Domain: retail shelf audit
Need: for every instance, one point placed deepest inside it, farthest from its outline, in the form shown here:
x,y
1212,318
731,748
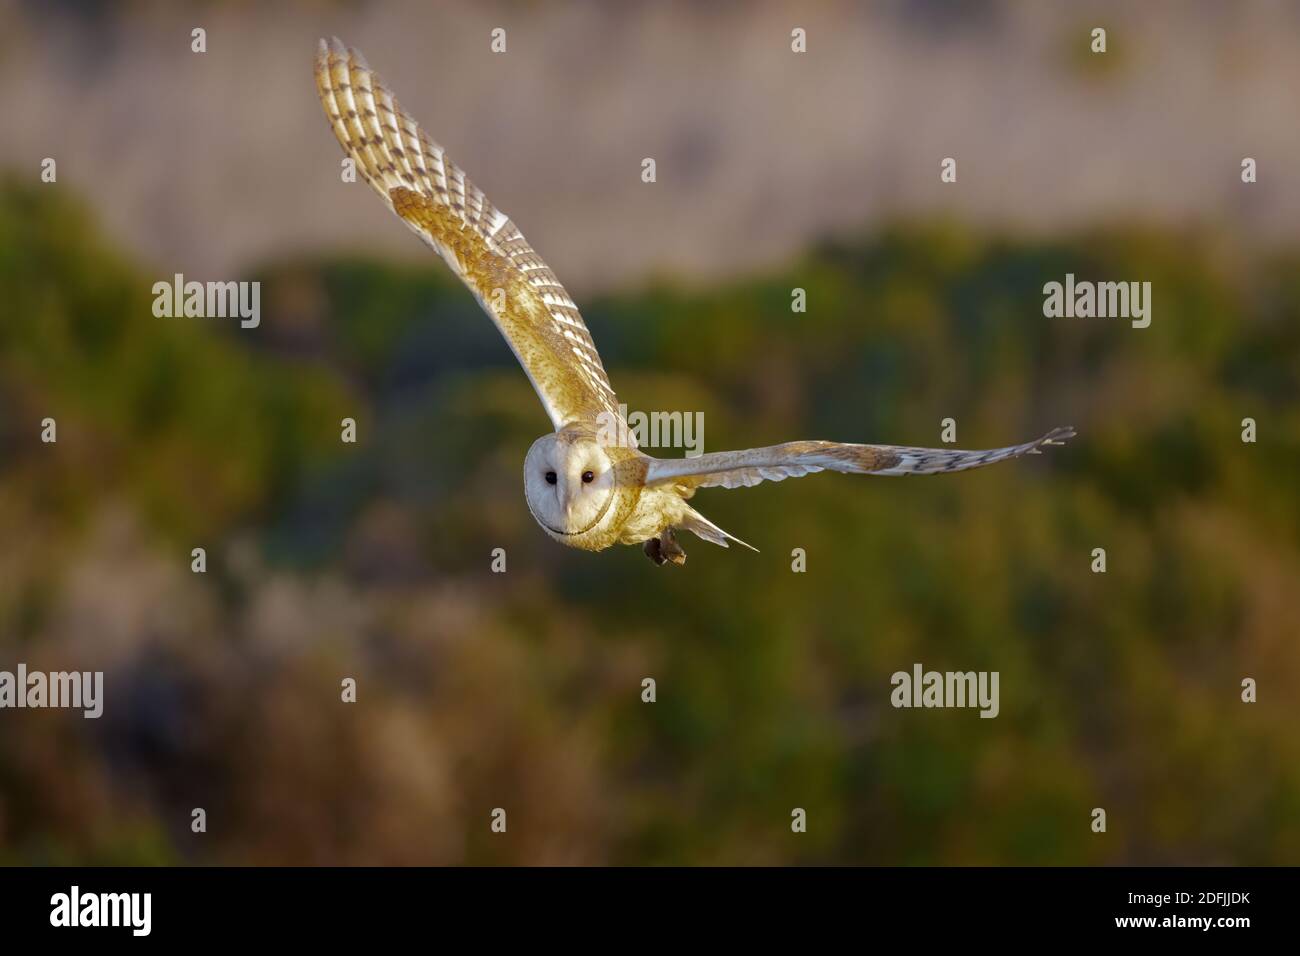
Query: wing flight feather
x,y
742,469
420,184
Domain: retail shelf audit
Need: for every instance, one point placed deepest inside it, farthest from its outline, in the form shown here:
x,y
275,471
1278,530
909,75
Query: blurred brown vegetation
x,y
214,163
522,690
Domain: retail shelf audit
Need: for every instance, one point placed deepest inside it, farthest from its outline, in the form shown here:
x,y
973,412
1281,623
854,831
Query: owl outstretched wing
x,y
737,469
431,194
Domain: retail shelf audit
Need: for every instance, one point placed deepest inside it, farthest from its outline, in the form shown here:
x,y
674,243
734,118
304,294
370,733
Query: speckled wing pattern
x,y
415,178
741,469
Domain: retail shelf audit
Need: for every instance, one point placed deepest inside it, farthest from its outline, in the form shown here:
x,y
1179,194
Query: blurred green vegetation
x,y
478,690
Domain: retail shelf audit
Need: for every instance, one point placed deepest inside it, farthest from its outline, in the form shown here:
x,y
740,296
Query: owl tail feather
x,y
702,527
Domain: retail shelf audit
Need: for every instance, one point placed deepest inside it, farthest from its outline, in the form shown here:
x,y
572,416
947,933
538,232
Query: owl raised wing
x,y
432,195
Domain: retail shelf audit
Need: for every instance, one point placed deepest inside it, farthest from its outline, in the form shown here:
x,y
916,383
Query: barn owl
x,y
585,490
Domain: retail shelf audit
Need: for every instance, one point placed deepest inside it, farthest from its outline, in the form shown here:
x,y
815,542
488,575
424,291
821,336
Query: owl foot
x,y
665,549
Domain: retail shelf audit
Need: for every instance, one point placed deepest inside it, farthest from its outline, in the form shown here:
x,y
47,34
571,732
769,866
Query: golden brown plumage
x,y
417,180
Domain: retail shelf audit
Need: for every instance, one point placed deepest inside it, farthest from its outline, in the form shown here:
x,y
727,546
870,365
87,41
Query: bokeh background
x,y
522,690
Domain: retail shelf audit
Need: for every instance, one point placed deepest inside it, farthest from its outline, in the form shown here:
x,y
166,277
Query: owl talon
x,y
665,549
670,549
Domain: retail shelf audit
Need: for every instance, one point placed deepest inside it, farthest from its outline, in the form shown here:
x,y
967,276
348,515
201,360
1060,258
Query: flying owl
x,y
585,490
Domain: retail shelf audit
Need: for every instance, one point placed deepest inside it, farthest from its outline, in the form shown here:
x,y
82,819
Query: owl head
x,y
570,484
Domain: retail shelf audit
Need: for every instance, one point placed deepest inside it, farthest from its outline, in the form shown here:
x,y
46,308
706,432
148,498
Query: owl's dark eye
x,y
588,477
550,477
